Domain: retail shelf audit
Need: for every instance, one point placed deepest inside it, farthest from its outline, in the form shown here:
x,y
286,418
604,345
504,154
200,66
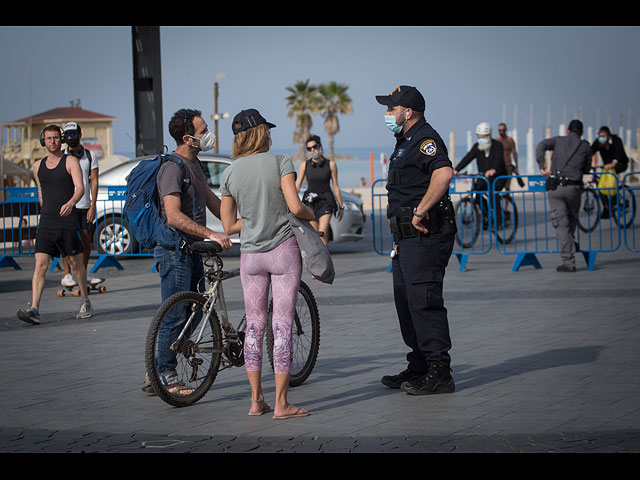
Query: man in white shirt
x,y
86,207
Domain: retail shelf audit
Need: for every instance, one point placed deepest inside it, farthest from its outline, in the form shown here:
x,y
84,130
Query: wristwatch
x,y
419,215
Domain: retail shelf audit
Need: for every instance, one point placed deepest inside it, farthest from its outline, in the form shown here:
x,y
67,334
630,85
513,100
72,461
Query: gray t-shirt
x,y
254,183
169,180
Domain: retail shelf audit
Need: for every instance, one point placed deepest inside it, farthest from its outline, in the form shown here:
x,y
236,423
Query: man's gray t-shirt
x,y
254,183
169,180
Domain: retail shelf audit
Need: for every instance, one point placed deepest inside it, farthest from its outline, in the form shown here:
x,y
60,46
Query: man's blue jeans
x,y
179,270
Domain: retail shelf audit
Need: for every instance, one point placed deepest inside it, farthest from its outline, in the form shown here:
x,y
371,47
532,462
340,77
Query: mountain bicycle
x,y
473,212
205,345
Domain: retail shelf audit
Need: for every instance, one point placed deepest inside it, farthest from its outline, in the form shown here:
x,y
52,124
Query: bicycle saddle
x,y
206,246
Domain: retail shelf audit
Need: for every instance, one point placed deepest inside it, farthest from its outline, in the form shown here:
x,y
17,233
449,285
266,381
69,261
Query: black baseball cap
x,y
248,119
405,96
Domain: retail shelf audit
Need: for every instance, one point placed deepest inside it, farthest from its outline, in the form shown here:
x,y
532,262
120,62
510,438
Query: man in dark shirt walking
x,y
570,160
60,187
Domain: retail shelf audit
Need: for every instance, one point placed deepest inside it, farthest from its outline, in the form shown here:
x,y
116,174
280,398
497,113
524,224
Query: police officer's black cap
x,y
247,119
404,95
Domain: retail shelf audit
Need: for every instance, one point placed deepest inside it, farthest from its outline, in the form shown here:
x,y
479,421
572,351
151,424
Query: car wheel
x,y
114,237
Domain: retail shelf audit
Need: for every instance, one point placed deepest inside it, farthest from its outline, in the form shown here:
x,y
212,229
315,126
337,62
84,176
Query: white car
x,y
113,234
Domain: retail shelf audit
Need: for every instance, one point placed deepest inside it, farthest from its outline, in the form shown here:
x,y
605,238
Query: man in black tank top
x,y
60,187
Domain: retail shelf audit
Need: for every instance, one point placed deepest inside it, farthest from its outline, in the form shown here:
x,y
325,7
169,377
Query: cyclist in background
x,y
611,149
489,156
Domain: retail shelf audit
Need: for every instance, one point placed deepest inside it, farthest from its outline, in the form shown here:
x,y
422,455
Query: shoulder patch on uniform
x,y
428,147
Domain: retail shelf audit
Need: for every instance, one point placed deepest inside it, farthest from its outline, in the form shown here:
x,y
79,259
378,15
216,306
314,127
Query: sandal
x,y
179,388
264,410
148,388
300,412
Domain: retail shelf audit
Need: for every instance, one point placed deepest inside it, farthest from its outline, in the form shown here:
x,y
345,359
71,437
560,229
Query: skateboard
x,y
93,286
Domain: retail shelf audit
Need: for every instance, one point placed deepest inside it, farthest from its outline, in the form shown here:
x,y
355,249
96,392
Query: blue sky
x,y
467,74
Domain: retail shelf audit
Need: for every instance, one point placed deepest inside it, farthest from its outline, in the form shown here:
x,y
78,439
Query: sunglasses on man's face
x,y
312,147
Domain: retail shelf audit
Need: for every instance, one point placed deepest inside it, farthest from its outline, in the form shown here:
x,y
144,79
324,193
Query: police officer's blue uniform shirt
x,y
418,153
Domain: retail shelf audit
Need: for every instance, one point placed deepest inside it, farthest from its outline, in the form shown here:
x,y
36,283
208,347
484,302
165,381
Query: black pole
x,y
147,89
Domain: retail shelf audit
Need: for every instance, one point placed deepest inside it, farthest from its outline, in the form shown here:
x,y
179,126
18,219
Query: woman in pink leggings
x,y
259,188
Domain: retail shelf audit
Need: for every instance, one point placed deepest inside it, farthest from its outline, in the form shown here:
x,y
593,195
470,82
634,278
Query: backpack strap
x,y
186,179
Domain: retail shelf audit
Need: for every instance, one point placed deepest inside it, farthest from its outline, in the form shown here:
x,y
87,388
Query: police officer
x,y
421,216
570,160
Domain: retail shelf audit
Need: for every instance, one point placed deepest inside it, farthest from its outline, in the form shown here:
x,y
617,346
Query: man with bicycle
x,y
181,269
489,156
569,161
613,156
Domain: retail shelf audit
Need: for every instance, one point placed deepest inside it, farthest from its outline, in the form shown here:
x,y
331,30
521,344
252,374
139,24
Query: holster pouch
x,y
552,183
401,226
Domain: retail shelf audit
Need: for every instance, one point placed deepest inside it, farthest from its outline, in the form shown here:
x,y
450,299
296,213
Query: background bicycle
x,y
473,212
606,203
207,344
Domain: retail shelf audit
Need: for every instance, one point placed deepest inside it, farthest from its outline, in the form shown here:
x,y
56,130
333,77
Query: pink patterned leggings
x,y
281,268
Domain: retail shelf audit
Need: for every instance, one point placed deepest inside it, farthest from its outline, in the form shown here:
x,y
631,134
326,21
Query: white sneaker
x,y
91,280
68,281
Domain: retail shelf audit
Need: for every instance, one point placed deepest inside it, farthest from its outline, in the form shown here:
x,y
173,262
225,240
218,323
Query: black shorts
x,y
82,219
58,242
322,204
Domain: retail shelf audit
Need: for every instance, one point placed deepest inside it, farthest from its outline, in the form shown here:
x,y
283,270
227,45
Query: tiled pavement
x,y
543,362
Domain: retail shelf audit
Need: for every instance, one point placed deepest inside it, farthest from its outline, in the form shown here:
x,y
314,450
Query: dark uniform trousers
x,y
418,274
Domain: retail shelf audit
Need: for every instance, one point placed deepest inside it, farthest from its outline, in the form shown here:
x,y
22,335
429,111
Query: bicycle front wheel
x,y
305,336
196,355
589,214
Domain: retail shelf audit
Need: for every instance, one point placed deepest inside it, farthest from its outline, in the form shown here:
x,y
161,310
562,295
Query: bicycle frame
x,y
214,293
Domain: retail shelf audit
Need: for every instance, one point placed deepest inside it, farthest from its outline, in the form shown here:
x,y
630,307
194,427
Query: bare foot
x,y
258,407
290,411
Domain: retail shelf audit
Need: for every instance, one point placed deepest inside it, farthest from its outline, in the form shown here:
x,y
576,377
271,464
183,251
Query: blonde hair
x,y
252,140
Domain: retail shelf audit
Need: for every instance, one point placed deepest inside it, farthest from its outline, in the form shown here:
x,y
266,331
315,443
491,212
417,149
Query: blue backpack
x,y
141,206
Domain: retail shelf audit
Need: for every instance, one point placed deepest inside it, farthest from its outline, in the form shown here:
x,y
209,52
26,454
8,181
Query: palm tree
x,y
333,101
302,102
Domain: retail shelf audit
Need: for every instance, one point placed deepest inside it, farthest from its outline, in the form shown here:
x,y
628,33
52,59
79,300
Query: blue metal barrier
x,y
630,199
535,233
473,205
382,238
20,213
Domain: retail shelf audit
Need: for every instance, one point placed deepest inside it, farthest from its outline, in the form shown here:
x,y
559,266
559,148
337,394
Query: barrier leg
x,y
590,258
106,261
6,261
55,263
525,259
462,258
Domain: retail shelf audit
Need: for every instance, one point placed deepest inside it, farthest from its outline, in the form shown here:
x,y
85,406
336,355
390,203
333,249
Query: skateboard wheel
x,y
61,293
102,289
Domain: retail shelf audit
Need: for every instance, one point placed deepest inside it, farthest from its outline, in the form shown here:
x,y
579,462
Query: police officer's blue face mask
x,y
602,139
390,122
483,141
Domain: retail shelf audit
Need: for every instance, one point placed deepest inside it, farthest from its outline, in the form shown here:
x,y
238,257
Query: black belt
x,y
564,182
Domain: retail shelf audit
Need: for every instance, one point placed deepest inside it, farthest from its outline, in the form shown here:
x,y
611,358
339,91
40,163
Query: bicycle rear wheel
x,y
198,353
305,336
469,222
589,214
507,226
627,207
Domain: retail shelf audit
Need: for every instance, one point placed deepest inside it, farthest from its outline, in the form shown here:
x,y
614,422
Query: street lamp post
x,y
215,117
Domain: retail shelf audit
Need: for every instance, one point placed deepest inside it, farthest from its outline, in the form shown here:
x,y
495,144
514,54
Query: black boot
x,y
437,380
395,381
